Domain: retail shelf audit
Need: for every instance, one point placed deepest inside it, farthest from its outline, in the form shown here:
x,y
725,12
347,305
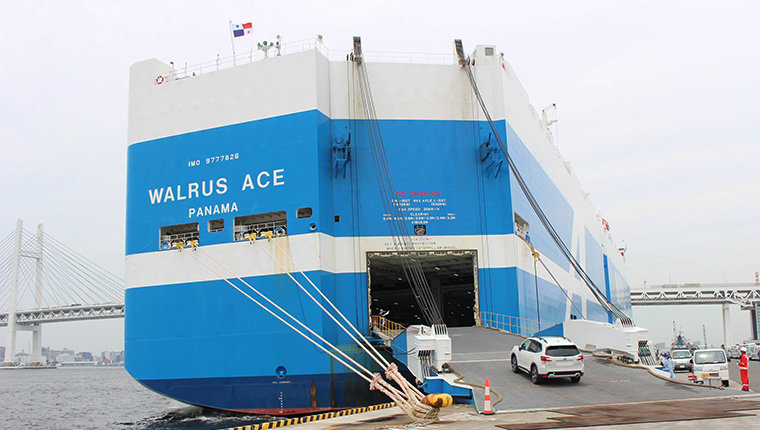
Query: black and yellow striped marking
x,y
310,418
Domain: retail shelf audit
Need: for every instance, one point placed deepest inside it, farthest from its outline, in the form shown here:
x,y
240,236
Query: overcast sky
x,y
658,108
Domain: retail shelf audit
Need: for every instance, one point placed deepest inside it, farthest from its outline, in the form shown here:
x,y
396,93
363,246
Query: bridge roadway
x,y
75,312
480,352
744,294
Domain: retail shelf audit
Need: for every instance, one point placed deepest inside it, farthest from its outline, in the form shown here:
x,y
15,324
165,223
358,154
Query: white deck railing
x,y
255,55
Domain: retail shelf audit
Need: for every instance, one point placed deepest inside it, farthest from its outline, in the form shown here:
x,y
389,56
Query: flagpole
x,y
232,41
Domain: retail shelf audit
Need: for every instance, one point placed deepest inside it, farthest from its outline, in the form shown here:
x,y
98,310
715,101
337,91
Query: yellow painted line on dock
x,y
311,418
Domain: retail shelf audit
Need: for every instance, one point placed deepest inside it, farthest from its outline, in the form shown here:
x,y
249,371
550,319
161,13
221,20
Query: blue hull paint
x,y
204,343
270,394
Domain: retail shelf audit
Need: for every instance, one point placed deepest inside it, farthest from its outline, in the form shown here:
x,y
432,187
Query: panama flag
x,y
242,29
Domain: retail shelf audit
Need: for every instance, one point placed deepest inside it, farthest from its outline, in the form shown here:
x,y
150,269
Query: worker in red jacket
x,y
744,369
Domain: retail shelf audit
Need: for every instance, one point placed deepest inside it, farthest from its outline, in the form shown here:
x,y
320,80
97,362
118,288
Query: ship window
x,y
259,225
304,212
337,218
172,236
489,52
215,225
522,228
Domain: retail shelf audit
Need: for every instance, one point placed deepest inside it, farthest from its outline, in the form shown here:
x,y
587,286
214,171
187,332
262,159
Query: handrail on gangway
x,y
385,328
509,323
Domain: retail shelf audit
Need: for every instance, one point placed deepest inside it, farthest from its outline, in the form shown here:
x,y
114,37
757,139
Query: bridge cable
x,y
86,279
114,280
71,276
86,274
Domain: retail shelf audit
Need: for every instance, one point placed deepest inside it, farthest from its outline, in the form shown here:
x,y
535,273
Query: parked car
x,y
710,363
547,357
681,359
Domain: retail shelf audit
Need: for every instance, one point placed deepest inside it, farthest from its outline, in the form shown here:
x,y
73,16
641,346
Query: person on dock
x,y
668,365
383,313
744,369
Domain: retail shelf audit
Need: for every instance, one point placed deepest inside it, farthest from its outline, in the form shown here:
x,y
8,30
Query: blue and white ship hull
x,y
281,144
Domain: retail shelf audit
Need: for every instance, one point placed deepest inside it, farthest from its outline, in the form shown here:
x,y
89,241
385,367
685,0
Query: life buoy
x,y
165,245
159,79
279,231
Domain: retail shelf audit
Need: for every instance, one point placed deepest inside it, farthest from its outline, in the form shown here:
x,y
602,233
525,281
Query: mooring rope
x,y
411,390
411,405
222,277
371,352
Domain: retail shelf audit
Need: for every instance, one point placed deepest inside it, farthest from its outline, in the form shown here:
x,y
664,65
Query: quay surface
x,y
609,396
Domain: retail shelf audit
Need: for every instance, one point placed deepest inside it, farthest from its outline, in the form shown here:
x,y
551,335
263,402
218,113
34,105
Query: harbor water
x,y
96,398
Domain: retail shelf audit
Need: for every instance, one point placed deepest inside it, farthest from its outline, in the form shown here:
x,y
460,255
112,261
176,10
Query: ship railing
x,y
508,323
254,55
250,56
385,327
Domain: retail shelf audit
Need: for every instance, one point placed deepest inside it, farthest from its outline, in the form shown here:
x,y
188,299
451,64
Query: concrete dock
x,y
609,396
479,353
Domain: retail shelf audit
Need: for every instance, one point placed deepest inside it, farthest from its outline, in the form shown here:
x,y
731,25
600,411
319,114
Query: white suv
x,y
548,357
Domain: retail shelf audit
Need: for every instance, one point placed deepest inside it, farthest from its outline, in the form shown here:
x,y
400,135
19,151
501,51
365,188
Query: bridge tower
x,y
13,327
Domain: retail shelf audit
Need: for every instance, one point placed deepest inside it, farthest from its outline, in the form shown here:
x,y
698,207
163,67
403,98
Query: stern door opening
x,y
452,276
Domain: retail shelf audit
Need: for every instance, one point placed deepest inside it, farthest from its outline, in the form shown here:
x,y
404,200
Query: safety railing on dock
x,y
386,327
511,324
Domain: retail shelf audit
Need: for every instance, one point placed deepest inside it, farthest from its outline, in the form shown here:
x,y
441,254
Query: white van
x,y
710,363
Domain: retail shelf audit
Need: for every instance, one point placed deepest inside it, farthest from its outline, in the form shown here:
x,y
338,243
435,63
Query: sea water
x,y
97,398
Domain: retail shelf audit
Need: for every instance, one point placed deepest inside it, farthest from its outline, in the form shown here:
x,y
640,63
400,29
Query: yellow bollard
x,y
440,400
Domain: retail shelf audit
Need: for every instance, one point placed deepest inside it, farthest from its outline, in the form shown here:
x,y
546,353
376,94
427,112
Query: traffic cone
x,y
487,400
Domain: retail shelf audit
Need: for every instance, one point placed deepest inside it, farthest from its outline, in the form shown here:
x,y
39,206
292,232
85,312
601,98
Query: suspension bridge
x,y
44,281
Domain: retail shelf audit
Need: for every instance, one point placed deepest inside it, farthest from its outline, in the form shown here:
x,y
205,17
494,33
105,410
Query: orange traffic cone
x,y
487,400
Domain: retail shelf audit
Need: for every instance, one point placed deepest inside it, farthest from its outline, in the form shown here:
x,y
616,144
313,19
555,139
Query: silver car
x,y
681,360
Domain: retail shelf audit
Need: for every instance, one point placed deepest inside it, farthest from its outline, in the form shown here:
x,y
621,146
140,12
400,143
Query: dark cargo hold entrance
x,y
452,276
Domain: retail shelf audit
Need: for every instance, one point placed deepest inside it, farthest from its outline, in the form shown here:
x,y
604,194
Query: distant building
x,y
23,358
2,353
52,354
112,357
83,356
64,357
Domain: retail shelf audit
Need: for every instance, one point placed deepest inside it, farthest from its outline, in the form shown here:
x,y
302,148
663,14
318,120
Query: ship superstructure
x,y
279,147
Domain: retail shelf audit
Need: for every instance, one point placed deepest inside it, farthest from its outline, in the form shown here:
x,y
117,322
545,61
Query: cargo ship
x,y
264,165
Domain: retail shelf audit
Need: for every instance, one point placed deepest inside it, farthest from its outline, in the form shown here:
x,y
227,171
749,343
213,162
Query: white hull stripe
x,y
317,251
